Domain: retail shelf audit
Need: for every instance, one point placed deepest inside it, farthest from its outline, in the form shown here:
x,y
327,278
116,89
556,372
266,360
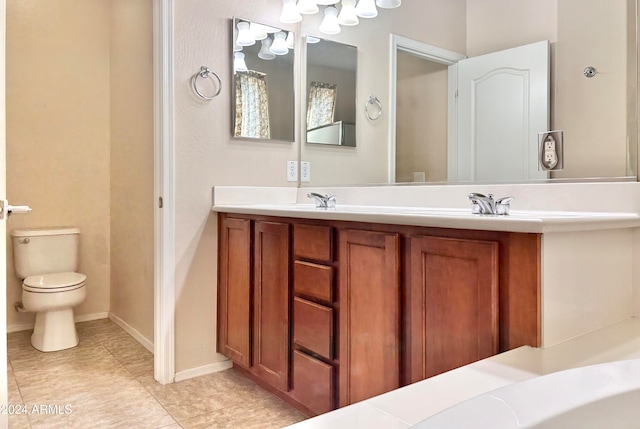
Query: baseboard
x,y
203,370
132,331
83,318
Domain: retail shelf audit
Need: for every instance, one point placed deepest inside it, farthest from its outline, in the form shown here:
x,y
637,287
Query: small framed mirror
x,y
331,92
263,82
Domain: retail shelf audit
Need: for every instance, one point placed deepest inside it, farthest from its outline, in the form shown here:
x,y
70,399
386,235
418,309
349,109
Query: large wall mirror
x,y
411,141
331,70
263,82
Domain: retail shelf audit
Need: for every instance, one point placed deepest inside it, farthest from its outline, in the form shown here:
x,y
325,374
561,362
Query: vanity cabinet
x,y
370,317
454,303
253,298
328,313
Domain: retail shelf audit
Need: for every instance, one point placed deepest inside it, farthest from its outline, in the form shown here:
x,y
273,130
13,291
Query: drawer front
x,y
313,280
313,383
313,327
313,242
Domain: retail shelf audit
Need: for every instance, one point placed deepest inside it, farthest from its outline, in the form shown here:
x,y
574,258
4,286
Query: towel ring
x,y
374,104
204,73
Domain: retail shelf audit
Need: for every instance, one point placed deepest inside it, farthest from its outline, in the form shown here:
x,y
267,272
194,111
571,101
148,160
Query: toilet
x,y
46,261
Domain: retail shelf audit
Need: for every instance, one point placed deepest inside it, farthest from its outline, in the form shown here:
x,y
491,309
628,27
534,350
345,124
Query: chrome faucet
x,y
487,205
323,201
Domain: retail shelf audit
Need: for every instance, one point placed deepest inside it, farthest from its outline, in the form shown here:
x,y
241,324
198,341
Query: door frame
x,y
427,52
164,193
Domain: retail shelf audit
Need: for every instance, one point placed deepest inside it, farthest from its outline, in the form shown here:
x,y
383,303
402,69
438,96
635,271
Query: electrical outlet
x,y
292,171
305,171
550,157
550,151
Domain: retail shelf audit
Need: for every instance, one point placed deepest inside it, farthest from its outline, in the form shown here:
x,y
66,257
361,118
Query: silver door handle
x,y
7,208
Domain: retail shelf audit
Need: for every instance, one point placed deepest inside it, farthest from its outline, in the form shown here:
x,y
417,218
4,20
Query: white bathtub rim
x,y
532,402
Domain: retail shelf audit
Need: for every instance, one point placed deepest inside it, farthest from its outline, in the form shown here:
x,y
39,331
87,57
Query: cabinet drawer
x,y
313,242
313,327
313,280
313,383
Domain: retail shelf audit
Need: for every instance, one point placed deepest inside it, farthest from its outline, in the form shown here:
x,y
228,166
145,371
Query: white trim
x,y
77,319
203,370
132,331
418,49
164,219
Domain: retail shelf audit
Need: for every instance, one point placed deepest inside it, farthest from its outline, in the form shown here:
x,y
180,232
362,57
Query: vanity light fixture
x,y
239,64
245,37
388,4
311,39
265,50
290,13
279,45
258,31
290,40
350,10
348,13
330,24
366,9
308,7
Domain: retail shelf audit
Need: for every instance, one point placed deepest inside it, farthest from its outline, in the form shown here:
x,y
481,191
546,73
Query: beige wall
x,y
421,121
206,155
132,204
80,144
58,132
595,138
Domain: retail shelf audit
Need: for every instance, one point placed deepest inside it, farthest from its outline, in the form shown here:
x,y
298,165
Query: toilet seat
x,y
55,282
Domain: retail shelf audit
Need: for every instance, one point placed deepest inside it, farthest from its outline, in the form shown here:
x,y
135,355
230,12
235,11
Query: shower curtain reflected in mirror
x,y
321,105
252,105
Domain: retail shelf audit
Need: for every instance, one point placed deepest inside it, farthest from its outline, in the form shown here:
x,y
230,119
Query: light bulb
x,y
265,50
307,7
388,4
279,45
366,9
348,13
330,24
245,38
238,62
290,13
291,40
258,31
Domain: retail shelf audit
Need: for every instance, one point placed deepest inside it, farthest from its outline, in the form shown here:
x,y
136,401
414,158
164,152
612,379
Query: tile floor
x,y
107,382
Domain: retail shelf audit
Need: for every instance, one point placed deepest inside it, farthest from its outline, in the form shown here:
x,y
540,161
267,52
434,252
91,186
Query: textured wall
x,y
132,204
58,132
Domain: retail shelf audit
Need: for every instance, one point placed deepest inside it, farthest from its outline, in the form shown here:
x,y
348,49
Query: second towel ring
x,y
373,108
204,73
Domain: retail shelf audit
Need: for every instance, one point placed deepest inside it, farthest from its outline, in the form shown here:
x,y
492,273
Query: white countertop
x,y
516,221
409,405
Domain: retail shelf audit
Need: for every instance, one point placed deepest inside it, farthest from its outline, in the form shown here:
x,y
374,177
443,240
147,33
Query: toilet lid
x,y
54,281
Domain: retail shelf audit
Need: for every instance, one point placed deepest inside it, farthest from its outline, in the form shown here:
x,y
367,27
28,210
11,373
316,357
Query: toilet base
x,y
54,330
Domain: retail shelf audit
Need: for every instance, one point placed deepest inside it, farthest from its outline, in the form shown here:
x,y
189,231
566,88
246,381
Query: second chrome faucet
x,y
487,205
323,201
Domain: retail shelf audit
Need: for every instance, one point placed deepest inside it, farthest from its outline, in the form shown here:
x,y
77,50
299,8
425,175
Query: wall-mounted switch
x,y
292,171
550,151
305,171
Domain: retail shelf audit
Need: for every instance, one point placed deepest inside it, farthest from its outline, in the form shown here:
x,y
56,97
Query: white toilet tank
x,y
45,251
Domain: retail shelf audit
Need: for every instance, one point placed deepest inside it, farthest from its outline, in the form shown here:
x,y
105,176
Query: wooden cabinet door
x,y
454,303
369,300
234,290
271,337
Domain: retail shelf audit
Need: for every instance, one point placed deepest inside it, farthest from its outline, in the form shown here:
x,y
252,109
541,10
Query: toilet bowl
x,y
46,260
52,297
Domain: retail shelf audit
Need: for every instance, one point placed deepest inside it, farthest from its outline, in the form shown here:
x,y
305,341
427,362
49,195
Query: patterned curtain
x,y
252,105
322,104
